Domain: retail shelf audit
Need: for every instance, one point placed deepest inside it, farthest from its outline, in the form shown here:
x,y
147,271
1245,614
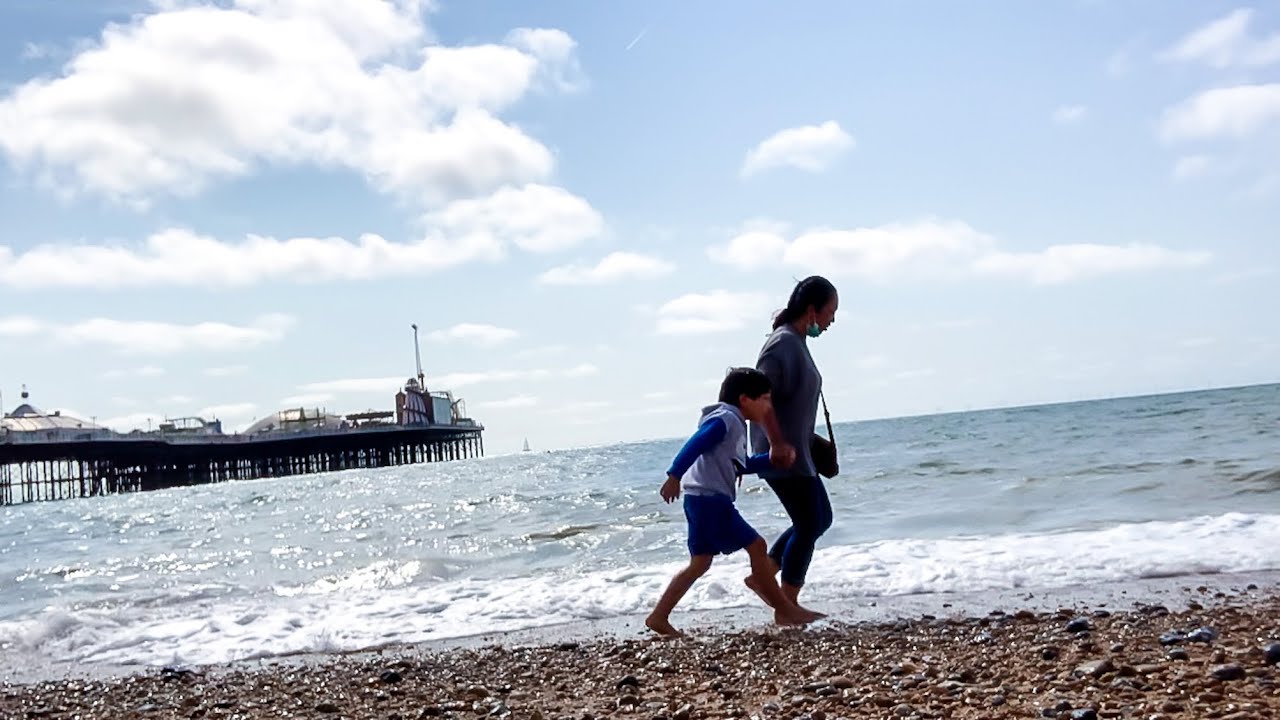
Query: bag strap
x,y
827,414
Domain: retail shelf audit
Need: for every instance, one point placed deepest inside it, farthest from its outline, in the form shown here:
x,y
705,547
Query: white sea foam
x,y
388,602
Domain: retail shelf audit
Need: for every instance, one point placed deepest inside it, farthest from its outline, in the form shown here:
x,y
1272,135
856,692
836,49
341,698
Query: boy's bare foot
x,y
662,626
750,582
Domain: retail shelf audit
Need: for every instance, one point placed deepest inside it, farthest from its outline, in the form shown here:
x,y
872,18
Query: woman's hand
x,y
670,489
782,455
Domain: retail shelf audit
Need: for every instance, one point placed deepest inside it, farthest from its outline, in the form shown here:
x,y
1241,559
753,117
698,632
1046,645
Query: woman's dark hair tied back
x,y
814,291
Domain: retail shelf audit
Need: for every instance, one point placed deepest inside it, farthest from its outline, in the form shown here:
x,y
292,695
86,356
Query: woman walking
x,y
797,384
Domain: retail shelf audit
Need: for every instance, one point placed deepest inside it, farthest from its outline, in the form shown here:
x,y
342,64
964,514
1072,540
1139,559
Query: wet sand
x,y
1159,649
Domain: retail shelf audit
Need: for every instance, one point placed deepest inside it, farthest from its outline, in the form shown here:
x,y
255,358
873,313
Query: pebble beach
x,y
1208,654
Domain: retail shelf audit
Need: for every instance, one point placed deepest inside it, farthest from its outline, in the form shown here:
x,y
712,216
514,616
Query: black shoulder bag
x,y
823,450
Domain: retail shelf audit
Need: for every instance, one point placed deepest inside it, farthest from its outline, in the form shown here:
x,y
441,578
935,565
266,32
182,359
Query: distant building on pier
x,y
27,418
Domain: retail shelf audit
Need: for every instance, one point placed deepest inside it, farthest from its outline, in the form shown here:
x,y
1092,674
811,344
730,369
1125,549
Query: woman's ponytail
x,y
814,291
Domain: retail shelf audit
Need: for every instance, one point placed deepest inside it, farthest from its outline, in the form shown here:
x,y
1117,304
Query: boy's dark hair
x,y
743,381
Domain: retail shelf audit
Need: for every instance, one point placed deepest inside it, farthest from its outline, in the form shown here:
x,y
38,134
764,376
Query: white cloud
x,y
915,374
647,410
131,337
582,370
306,400
554,49
1070,114
1197,342
888,249
133,421
20,326
179,399
465,379
158,105
144,371
932,248
231,411
38,51
477,333
612,268
810,147
1236,112
519,401
583,406
1226,42
959,324
869,252
1064,263
542,351
356,385
871,362
448,381
716,311
1191,166
751,250
535,218
160,102
226,371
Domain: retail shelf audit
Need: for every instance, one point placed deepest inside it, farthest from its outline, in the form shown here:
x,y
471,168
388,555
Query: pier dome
x,y
28,418
295,419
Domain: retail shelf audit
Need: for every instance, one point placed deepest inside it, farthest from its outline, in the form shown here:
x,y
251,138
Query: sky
x,y
592,210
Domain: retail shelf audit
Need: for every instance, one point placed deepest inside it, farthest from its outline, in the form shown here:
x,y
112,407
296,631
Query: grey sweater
x,y
786,361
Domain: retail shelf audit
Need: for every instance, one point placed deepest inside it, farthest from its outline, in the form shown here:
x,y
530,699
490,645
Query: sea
x,y
1027,498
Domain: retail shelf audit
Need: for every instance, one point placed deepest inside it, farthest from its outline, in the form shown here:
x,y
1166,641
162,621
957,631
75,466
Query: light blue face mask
x,y
814,330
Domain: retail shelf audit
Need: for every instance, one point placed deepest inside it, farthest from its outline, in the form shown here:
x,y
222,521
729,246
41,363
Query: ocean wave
x,y
391,603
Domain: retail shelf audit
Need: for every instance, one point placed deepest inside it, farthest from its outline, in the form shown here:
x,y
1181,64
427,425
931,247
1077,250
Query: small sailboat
x,y
526,445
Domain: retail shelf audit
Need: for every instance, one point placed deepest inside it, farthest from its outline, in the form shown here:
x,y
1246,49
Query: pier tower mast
x,y
417,357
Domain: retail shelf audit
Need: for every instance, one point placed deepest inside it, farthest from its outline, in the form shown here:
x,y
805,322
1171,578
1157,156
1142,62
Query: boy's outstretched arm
x,y
757,463
709,433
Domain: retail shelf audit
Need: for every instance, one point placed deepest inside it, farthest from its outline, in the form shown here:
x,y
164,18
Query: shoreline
x,y
1002,629
1173,592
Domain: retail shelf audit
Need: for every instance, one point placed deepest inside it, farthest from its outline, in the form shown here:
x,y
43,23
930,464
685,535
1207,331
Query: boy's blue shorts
x,y
715,525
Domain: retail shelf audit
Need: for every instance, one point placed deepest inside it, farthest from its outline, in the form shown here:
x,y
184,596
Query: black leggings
x,y
806,502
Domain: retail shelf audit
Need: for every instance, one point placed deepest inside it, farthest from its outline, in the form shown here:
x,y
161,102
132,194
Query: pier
x,y
51,456
31,470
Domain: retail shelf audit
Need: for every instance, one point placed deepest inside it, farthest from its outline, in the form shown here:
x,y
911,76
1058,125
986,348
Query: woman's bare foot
x,y
813,615
816,615
662,626
750,582
793,616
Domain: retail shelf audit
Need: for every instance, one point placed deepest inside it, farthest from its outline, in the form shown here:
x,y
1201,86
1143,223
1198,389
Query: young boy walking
x,y
707,470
